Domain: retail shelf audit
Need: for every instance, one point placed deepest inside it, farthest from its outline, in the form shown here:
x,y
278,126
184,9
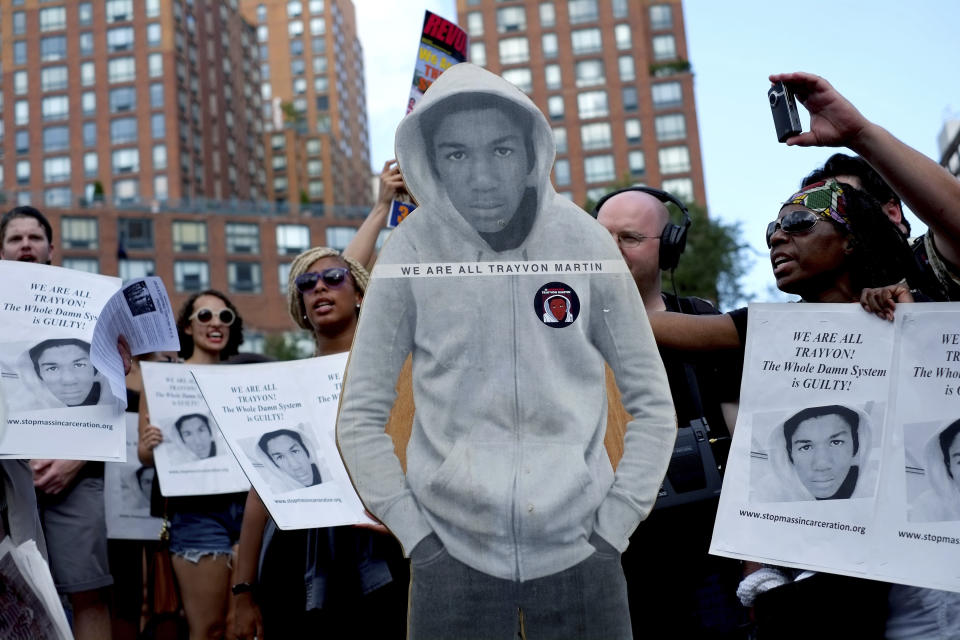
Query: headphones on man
x,y
673,238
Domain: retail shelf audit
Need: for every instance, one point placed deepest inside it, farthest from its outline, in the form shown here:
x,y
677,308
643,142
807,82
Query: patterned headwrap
x,y
825,199
299,266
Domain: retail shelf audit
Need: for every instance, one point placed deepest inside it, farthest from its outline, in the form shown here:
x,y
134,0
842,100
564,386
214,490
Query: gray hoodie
x,y
506,462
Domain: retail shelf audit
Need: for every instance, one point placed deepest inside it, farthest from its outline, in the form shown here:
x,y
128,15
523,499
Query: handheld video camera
x,y
786,118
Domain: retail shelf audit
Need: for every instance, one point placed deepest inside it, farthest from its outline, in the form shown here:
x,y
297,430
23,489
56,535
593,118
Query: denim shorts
x,y
197,532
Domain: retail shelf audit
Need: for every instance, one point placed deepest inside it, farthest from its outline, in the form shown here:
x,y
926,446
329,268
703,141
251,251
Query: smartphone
x,y
786,118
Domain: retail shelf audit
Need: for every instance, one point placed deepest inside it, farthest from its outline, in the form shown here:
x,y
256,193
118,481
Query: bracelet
x,y
241,587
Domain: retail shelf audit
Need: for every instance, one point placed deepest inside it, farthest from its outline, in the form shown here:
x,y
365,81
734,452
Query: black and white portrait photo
x,y
52,374
287,458
933,471
194,433
817,453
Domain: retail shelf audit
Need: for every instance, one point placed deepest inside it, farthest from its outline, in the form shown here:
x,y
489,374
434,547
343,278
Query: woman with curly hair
x,y
204,529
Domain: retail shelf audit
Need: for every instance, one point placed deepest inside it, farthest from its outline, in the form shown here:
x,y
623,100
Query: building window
x,y
135,233
86,44
664,47
521,78
661,16
87,74
126,161
155,64
670,127
674,159
548,14
89,134
283,273
626,68
315,167
295,28
119,39
666,94
58,197
560,139
243,237
318,26
123,99
620,8
585,41
636,162
78,233
589,73
478,53
21,111
561,173
119,10
22,141
550,45
156,96
244,277
20,52
294,8
681,188
629,96
555,107
511,19
595,136
189,237
56,169
91,164
123,130
582,10
121,70
53,19
592,104
19,23
88,265
191,275
52,108
53,48
315,189
54,139
316,6
53,78
513,50
138,268
599,168
551,74
631,127
23,173
339,237
152,8
154,34
20,83
621,34
293,239
159,157
126,191
475,23
160,187
158,126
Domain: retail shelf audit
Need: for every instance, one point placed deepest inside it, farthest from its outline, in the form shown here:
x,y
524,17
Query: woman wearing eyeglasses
x,y
204,530
337,581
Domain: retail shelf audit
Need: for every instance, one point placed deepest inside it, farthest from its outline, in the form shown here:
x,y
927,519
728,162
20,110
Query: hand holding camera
x,y
834,122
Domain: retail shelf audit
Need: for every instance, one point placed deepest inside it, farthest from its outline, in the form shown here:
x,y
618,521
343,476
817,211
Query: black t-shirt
x,y
940,284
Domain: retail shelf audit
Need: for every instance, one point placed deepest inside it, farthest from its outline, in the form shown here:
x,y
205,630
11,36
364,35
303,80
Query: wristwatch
x,y
241,587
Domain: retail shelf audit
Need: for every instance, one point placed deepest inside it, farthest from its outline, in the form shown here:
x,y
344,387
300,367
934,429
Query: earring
x,y
358,305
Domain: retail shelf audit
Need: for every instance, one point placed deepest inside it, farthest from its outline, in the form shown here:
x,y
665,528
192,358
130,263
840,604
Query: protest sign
x,y
126,494
140,311
279,420
30,608
59,403
816,476
192,460
442,44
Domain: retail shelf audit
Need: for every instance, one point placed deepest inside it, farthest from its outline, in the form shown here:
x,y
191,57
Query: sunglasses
x,y
799,221
332,277
205,315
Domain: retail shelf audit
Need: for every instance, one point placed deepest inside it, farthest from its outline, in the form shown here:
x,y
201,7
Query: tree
x,y
282,346
714,261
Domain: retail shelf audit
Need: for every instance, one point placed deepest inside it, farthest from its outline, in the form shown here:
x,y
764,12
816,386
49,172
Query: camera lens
x,y
773,98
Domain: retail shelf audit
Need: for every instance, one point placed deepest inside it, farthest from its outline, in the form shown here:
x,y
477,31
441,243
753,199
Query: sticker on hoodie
x,y
556,304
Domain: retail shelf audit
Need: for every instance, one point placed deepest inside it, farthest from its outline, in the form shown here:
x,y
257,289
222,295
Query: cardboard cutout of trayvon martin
x,y
509,501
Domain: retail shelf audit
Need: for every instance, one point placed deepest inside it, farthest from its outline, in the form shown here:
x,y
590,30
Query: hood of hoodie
x,y
413,154
792,488
943,486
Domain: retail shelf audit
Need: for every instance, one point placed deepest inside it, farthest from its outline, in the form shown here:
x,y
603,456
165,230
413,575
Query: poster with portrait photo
x,y
918,520
278,418
193,458
801,486
126,494
59,402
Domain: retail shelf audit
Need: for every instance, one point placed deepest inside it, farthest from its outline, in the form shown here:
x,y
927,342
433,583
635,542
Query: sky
x,y
896,61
